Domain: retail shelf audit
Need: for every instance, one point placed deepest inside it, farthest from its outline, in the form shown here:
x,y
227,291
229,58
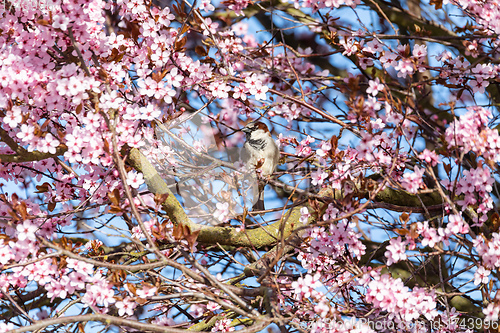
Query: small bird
x,y
262,154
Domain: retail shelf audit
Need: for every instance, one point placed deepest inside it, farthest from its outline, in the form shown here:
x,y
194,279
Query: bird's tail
x,y
259,204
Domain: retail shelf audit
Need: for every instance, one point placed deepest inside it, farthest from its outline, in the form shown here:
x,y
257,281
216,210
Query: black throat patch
x,y
258,144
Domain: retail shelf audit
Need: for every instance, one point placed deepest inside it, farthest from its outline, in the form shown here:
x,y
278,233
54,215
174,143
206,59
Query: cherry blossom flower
x,y
219,89
306,287
374,87
213,306
206,6
326,146
304,215
479,85
126,306
223,325
48,144
491,312
6,254
60,22
413,181
318,176
389,60
166,17
429,234
135,179
430,157
350,45
457,225
419,51
394,297
222,212
5,327
373,46
13,117
404,67
396,251
26,231
481,275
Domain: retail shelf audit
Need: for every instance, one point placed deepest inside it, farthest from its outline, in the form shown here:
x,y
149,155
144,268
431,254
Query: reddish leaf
x,y
160,198
51,206
42,188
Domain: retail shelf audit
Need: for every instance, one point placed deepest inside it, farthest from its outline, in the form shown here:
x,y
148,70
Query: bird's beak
x,y
245,130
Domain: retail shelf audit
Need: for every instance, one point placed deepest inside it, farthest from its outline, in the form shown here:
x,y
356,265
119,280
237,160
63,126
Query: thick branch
x,y
117,321
22,155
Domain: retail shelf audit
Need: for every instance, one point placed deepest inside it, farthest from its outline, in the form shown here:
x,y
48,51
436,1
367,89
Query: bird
x,y
261,153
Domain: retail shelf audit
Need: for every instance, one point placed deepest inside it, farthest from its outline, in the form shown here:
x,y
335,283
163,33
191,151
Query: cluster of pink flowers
x,y
432,236
305,287
471,133
486,13
412,182
223,325
489,251
328,244
401,303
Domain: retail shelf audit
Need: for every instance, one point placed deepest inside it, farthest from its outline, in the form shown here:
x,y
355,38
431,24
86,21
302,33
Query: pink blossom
x,y
60,22
304,149
239,93
146,291
420,51
6,254
26,231
389,59
373,46
457,225
326,146
491,312
430,157
222,212
6,327
56,289
135,179
394,297
350,45
26,133
209,27
219,89
413,181
110,100
396,251
481,275
429,234
255,87
126,306
223,325
13,117
318,176
166,17
374,87
49,144
206,6
305,287
213,306
260,92
331,212
479,85
304,215
174,77
404,67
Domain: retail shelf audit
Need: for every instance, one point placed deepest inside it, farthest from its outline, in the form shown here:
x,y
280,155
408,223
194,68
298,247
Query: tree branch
x,y
117,321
